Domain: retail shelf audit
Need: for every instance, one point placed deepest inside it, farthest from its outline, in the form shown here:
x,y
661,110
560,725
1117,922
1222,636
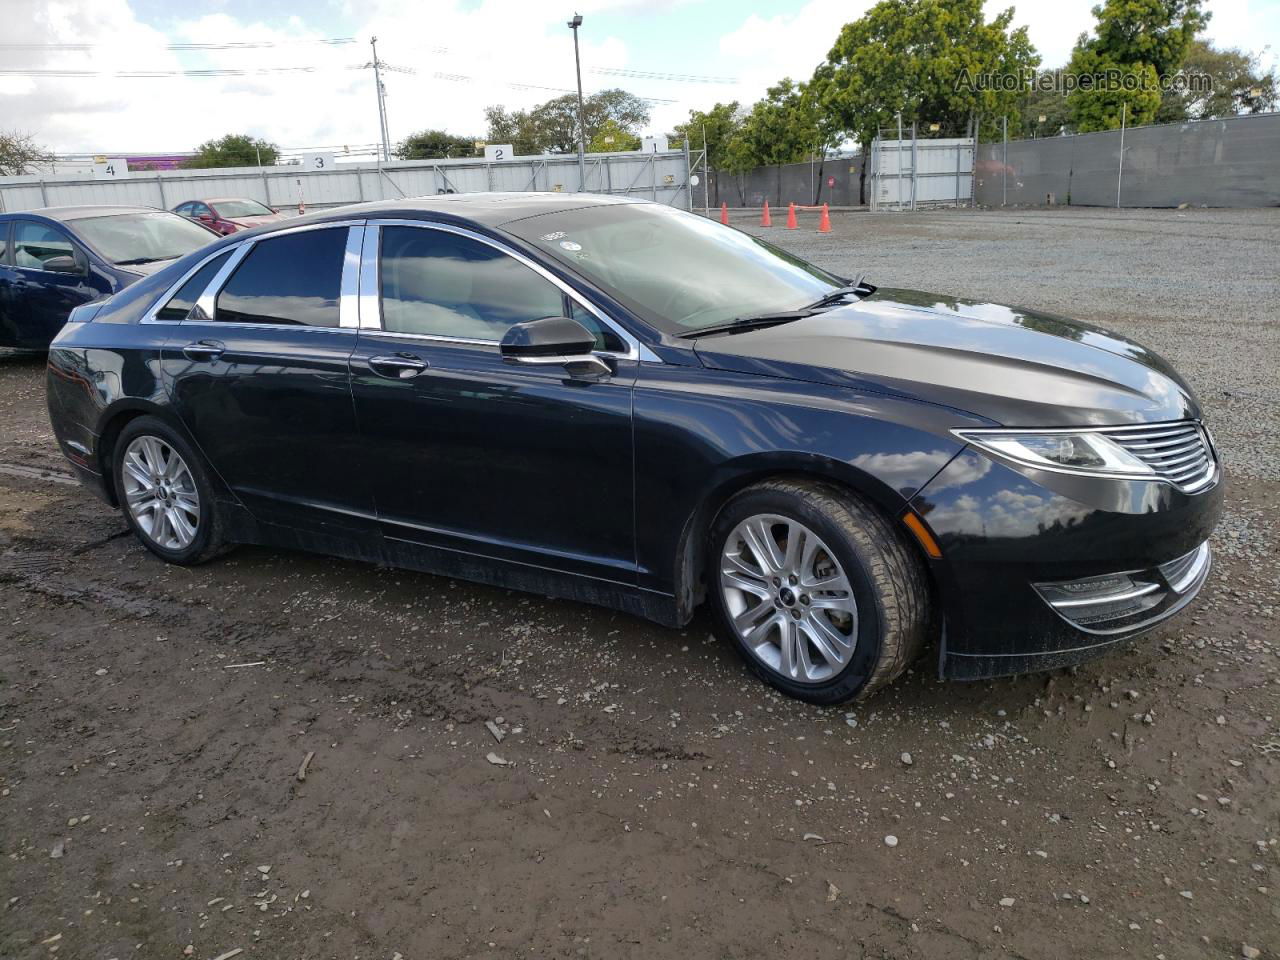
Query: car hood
x,y
1012,366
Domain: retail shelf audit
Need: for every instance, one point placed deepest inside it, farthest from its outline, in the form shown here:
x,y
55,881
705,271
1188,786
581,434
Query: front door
x,y
259,376
50,276
471,454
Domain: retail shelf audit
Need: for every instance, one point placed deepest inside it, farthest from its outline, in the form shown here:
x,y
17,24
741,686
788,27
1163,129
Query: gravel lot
x,y
654,800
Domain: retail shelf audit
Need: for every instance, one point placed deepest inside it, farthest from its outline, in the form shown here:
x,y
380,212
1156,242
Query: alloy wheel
x,y
788,598
160,493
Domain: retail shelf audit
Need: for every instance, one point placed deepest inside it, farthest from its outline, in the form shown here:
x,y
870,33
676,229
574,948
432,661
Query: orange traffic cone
x,y
766,220
824,224
791,217
724,214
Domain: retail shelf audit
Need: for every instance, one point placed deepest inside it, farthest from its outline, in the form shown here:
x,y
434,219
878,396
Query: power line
x,y
658,75
179,47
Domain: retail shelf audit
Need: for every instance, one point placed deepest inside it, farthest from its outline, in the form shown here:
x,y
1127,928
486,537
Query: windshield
x,y
678,271
241,208
142,237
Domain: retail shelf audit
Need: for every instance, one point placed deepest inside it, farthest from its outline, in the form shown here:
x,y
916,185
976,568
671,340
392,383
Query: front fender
x,y
701,435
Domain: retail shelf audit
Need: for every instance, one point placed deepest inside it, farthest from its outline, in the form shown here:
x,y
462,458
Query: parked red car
x,y
228,214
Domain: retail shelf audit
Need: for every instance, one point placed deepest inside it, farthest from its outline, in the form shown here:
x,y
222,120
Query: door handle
x,y
203,350
403,366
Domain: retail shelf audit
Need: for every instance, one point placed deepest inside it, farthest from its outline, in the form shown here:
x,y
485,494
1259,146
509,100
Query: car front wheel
x,y
165,493
818,592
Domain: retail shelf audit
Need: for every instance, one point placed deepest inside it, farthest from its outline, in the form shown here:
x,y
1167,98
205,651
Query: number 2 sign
x,y
494,152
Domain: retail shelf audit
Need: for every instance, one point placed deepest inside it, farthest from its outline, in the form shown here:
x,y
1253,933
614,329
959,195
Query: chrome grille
x,y
1178,452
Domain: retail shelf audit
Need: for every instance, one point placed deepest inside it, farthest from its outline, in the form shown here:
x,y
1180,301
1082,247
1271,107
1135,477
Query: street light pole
x,y
573,25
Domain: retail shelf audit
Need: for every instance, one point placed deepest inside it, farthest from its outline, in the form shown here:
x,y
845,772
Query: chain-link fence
x,y
833,181
1233,162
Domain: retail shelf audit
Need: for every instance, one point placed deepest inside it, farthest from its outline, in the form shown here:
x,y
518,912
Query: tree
x,y
1135,44
552,127
717,127
1218,83
234,150
781,128
433,144
1157,32
1047,99
925,59
611,137
19,154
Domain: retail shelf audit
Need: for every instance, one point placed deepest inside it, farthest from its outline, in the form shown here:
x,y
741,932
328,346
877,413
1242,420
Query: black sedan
x,y
55,259
625,404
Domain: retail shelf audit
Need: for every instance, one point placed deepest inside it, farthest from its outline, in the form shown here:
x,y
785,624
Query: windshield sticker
x,y
551,237
570,245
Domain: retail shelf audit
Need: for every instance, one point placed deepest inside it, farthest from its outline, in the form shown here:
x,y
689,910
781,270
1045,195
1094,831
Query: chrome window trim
x,y
349,286
372,295
207,304
150,315
1199,485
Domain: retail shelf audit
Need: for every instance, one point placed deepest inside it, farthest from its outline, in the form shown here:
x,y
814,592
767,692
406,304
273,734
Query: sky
x,y
449,59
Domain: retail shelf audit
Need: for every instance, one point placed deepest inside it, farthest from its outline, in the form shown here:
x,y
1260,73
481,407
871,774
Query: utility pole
x,y
706,176
573,25
382,107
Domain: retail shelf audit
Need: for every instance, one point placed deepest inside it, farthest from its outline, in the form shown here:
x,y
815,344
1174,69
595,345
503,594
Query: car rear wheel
x,y
817,591
164,492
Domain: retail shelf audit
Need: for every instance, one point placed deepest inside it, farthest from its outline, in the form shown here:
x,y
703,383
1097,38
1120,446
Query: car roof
x,y
490,209
66,214
222,200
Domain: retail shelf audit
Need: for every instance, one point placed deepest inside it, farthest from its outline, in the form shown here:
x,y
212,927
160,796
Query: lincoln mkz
x,y
624,404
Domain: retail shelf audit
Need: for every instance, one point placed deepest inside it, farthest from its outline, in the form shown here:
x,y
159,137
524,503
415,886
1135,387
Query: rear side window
x,y
4,242
445,285
34,244
182,302
292,280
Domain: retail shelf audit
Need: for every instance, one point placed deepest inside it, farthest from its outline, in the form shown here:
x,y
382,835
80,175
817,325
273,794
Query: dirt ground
x,y
654,801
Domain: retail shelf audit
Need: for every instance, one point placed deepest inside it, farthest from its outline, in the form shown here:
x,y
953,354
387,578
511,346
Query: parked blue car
x,y
55,259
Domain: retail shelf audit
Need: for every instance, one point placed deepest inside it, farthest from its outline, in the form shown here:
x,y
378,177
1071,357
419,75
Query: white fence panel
x,y
663,177
906,174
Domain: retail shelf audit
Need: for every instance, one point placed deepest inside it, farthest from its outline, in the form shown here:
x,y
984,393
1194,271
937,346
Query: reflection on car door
x,y
469,453
260,378
40,299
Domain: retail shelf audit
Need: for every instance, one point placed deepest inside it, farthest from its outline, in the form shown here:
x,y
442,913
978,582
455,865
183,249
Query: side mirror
x,y
206,217
63,264
557,341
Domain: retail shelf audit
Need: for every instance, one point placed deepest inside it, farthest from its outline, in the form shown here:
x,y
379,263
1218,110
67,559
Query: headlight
x,y
1064,451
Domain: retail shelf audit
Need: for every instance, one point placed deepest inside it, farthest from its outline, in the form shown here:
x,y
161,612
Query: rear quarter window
x,y
182,302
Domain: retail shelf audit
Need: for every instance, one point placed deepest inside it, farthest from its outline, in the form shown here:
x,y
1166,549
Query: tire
x,y
838,650
144,451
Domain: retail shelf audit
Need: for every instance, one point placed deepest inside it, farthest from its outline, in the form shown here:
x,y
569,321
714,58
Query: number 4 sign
x,y
110,168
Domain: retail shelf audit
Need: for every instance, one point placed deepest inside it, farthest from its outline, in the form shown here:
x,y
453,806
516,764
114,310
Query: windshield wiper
x,y
859,287
138,260
749,323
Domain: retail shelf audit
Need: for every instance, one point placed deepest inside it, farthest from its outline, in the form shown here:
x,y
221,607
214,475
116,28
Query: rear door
x,y
260,378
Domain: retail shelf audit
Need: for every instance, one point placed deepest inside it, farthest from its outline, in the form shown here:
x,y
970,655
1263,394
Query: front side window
x,y
182,302
34,245
292,280
441,284
134,238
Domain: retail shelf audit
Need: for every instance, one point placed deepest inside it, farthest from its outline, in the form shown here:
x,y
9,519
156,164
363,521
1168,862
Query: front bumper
x,y
1044,570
